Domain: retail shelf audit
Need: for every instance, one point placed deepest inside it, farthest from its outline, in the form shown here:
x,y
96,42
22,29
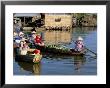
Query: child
x,y
37,56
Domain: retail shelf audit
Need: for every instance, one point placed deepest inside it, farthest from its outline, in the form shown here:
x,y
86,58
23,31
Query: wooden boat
x,y
60,51
27,58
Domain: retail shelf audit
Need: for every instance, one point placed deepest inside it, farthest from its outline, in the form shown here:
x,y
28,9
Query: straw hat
x,y
33,32
80,38
21,33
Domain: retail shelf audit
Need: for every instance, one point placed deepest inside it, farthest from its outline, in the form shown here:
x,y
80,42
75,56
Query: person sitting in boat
x,y
21,35
79,45
14,35
37,56
31,38
16,44
17,40
38,40
18,37
23,47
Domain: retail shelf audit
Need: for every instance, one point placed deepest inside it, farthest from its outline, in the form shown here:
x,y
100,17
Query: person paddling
x,y
79,45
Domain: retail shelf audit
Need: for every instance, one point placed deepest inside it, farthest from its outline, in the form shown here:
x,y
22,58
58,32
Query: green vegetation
x,y
84,19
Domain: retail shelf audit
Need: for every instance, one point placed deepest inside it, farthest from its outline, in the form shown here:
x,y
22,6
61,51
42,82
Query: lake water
x,y
64,65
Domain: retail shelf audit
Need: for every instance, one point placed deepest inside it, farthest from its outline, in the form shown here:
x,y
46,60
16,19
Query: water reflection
x,y
66,37
57,37
74,62
79,61
33,68
82,31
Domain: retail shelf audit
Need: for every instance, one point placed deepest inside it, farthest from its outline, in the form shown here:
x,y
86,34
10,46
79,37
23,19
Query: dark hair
x,y
26,41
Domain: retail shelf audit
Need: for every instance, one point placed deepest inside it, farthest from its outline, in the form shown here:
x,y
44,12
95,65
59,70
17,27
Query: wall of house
x,y
66,20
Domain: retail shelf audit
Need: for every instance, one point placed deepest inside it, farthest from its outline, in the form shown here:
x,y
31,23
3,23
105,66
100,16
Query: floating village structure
x,y
58,21
55,21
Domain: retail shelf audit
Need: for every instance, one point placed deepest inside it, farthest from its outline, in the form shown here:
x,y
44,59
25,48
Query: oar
x,y
88,49
91,51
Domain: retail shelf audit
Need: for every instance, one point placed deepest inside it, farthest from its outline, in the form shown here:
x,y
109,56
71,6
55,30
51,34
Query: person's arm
x,y
82,44
41,39
21,44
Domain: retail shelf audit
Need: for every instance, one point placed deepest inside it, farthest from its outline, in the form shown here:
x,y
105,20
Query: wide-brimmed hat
x,y
21,33
33,32
80,38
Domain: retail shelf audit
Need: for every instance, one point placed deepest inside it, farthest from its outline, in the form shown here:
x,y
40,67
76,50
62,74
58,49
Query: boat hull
x,y
26,58
71,52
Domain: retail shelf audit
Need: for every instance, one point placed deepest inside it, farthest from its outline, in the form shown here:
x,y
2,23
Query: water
x,y
64,65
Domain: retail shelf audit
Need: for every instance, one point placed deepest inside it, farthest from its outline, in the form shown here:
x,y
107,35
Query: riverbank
x,y
40,29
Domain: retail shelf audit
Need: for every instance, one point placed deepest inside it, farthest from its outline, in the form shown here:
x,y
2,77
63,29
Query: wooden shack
x,y
58,21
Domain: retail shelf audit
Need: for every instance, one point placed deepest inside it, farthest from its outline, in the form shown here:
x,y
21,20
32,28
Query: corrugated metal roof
x,y
26,14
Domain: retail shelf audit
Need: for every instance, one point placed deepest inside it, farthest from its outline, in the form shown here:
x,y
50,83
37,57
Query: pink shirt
x,y
80,44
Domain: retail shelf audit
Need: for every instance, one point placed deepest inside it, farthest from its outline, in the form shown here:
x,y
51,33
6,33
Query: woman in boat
x,y
79,45
21,34
17,39
23,47
38,40
32,38
35,39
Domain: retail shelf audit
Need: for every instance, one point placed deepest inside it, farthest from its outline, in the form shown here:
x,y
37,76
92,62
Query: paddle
x,y
91,51
88,49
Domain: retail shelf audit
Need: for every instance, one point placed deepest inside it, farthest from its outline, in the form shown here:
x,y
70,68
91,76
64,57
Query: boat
x,y
53,49
27,58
